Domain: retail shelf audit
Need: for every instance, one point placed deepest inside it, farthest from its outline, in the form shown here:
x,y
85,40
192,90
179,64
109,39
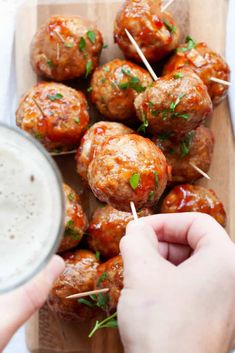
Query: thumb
x,y
17,306
140,249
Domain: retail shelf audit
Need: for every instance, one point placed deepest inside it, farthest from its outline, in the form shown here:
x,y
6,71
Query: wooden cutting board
x,y
204,21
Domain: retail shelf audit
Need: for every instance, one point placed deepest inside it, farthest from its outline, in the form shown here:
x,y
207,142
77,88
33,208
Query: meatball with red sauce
x,y
195,148
54,114
92,142
107,227
78,277
110,275
194,198
176,103
128,168
65,48
155,32
114,87
75,220
205,63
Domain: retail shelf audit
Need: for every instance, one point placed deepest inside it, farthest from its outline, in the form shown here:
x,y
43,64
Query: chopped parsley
x,y
102,278
105,46
70,197
156,178
77,120
151,195
89,89
134,82
97,255
89,67
86,302
69,45
185,144
102,300
171,28
106,68
55,97
110,322
144,124
92,37
38,136
171,110
50,63
134,180
178,75
191,44
71,231
82,44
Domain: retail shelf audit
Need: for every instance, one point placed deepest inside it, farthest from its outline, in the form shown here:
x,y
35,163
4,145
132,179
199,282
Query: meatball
x,y
54,114
92,141
194,198
176,103
204,62
196,148
114,87
107,227
78,277
110,275
65,48
128,168
75,220
155,32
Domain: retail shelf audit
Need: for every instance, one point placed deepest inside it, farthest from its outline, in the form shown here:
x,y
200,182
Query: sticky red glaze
x,y
113,280
92,142
107,227
75,221
193,101
200,151
78,277
57,124
155,32
110,172
206,63
194,198
55,51
113,102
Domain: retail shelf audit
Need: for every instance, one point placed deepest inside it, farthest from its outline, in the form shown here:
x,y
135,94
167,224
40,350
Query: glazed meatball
x,y
155,32
114,87
92,141
176,103
206,63
65,48
194,198
107,227
110,275
128,168
78,277
54,114
196,148
75,220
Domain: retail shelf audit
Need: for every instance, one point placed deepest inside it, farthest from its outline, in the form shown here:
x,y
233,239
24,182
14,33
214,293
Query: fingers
x,y
16,307
193,229
174,253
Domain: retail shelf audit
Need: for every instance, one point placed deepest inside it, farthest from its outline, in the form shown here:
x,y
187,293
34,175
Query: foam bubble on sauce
x,y
30,208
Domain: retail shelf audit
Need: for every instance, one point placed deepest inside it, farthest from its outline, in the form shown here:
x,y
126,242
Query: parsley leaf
x,y
178,75
134,180
68,45
185,144
50,63
171,28
89,68
86,302
70,230
144,124
102,278
54,97
97,255
92,36
70,197
151,195
156,178
89,89
105,46
82,44
77,120
110,322
191,44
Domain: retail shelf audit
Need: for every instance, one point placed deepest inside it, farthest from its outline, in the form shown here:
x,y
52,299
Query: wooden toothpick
x,y
87,294
133,210
222,82
200,171
167,5
141,55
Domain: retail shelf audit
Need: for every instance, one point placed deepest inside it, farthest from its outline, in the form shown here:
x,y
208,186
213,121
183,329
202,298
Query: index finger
x,y
189,228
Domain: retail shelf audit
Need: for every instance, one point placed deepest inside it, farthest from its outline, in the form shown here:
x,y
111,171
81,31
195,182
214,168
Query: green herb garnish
x,y
134,180
69,45
70,230
106,68
178,75
144,124
38,136
50,63
77,120
55,97
70,197
89,89
97,255
151,195
86,302
92,37
185,144
105,46
102,278
134,82
191,45
156,178
110,322
171,28
82,44
89,68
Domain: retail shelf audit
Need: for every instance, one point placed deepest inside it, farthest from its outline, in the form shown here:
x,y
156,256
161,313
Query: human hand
x,y
179,286
17,306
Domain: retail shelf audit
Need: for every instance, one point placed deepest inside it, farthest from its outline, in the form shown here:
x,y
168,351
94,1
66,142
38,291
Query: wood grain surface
x,y
205,20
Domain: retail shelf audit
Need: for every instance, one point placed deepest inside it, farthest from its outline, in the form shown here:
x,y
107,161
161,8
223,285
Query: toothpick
x,y
167,5
62,153
141,55
133,210
57,51
59,36
87,294
223,82
200,171
38,106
